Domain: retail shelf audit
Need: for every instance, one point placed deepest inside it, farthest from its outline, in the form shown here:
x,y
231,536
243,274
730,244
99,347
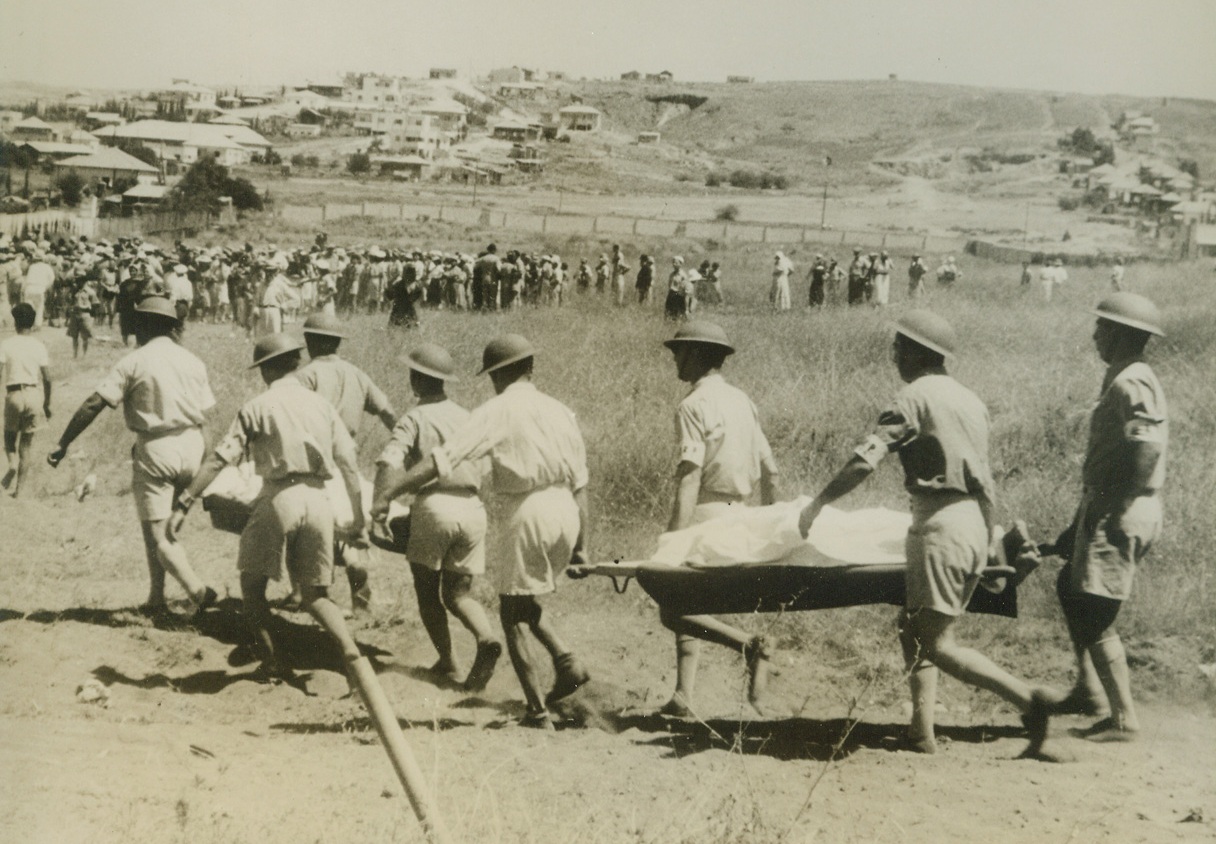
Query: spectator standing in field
x,y
780,293
1026,276
603,273
1052,276
940,430
296,439
916,277
645,279
713,284
619,270
165,395
859,274
948,272
351,392
679,291
446,548
11,278
485,279
80,316
836,277
538,480
818,276
39,281
723,457
582,276
880,279
25,366
181,291
1119,517
1116,275
276,299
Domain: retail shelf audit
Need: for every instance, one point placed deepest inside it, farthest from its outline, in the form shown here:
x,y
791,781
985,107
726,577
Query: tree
x,y
71,186
359,163
1189,165
1083,140
205,182
137,150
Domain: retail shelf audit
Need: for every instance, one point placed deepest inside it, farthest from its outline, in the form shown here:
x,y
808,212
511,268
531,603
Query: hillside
x,y
792,126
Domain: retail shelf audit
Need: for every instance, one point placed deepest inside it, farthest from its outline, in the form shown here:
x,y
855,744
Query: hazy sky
x,y
1166,47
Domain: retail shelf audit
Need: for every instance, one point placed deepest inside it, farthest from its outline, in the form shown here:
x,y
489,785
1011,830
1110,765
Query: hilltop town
x,y
1019,170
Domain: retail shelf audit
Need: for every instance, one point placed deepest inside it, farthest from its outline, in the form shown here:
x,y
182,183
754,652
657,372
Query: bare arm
x,y
81,420
387,477
388,417
688,486
207,473
412,481
846,480
768,481
579,555
46,391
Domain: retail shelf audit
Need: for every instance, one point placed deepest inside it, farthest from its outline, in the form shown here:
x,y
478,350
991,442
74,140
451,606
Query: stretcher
x,y
850,559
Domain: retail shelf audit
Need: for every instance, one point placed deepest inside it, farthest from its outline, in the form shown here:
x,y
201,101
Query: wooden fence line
x,y
610,224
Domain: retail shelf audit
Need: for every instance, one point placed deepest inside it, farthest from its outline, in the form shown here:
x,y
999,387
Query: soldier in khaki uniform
x,y
352,393
296,440
538,508
446,547
939,428
724,456
164,393
1119,517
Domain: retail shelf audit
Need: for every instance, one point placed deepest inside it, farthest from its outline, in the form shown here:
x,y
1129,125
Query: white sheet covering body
x,y
755,535
241,485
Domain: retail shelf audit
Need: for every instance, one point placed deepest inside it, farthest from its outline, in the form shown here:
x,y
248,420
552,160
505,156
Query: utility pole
x,y
1026,228
823,211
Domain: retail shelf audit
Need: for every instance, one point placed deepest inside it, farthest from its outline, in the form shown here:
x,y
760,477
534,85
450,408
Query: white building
x,y
187,142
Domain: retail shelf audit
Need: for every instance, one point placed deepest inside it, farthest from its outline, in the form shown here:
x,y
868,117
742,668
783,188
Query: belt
x,y
12,388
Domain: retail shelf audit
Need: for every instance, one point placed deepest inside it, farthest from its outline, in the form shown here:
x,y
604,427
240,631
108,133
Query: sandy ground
x,y
186,748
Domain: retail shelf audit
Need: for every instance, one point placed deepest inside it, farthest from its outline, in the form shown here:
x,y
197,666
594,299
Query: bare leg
x,y
1110,664
455,591
257,619
156,572
23,442
171,557
933,631
689,629
434,617
517,612
10,453
329,616
922,680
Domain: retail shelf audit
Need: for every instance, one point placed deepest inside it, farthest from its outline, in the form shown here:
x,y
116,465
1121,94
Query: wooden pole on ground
x,y
399,753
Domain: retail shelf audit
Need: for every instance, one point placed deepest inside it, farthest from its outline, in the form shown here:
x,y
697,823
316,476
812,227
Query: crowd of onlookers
x,y
81,283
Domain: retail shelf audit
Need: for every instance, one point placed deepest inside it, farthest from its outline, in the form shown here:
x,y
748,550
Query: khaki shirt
x,y
718,430
1130,409
533,441
940,430
345,386
22,359
423,429
288,431
162,387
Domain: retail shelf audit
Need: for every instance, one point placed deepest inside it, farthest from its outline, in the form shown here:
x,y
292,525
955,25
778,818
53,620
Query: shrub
x,y
359,163
245,196
729,213
1069,203
299,160
713,180
71,186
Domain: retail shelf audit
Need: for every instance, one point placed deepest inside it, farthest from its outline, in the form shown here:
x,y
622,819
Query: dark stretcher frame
x,y
739,590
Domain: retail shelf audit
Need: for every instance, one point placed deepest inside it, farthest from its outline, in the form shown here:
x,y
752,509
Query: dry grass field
x,y
186,750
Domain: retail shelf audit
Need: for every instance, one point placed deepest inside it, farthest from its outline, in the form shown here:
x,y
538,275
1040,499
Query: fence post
x,y
400,212
635,225
595,224
764,234
544,223
324,211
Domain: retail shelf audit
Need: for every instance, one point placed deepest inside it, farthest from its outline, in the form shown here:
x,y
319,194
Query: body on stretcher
x,y
757,561
230,497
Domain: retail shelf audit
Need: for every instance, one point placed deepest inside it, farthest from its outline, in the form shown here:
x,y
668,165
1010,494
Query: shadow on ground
x,y
793,738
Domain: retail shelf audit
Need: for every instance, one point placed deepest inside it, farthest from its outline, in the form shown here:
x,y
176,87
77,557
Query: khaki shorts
x,y
290,523
23,410
1102,566
80,324
947,547
533,536
161,467
448,532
